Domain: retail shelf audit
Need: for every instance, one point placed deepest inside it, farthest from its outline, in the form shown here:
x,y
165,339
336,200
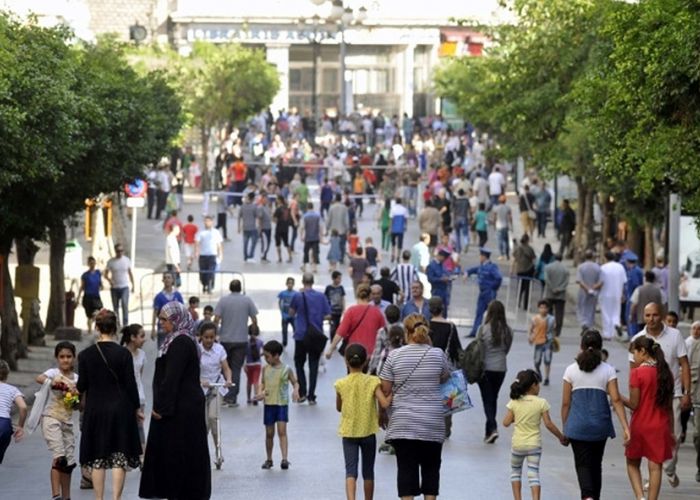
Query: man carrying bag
x,y
309,309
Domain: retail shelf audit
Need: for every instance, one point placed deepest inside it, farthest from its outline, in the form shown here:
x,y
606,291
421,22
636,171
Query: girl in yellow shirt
x,y
527,410
357,395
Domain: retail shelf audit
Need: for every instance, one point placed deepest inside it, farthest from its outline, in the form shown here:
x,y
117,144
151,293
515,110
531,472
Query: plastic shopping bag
x,y
455,396
41,397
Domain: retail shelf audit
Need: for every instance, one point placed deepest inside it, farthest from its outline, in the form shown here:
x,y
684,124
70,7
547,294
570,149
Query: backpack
x,y
471,360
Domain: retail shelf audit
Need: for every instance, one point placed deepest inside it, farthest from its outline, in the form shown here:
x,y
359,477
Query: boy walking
x,y
274,390
335,293
542,336
284,298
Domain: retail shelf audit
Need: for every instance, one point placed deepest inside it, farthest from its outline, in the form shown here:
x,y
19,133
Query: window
x,y
300,79
329,81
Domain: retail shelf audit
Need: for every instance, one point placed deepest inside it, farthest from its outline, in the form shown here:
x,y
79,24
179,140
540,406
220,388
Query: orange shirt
x,y
353,241
239,171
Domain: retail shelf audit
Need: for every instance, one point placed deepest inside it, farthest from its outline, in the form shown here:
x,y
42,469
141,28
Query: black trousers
x,y
489,386
588,459
558,306
418,464
300,356
235,355
524,296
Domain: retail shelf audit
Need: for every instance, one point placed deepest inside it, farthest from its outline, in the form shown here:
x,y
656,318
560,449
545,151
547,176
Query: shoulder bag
x,y
314,339
530,212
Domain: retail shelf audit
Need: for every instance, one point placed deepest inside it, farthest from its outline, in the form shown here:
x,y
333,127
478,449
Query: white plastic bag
x,y
41,398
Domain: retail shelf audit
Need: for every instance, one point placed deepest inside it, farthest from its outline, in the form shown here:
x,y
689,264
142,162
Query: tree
x,y
37,127
129,122
224,84
75,121
520,91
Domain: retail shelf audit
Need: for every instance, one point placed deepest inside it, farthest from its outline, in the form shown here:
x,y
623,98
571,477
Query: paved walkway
x,y
470,468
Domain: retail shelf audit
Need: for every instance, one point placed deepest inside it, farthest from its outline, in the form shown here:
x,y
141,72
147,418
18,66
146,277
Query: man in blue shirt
x,y
417,303
635,278
489,278
90,286
439,279
307,306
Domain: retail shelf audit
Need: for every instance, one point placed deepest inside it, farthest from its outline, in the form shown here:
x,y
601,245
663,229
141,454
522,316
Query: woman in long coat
x,y
176,465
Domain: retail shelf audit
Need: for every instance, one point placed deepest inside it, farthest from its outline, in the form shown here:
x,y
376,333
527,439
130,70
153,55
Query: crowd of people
x,y
393,329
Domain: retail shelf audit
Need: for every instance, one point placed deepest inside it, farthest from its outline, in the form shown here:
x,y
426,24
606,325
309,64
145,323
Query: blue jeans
x,y
121,295
248,237
503,243
462,230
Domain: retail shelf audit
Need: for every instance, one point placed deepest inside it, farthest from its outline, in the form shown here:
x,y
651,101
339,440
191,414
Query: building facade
x,y
388,58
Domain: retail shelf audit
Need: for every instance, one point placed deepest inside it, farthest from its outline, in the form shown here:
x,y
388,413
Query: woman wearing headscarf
x,y
176,465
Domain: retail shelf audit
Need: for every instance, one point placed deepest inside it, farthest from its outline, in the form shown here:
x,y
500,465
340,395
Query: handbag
x,y
455,394
314,339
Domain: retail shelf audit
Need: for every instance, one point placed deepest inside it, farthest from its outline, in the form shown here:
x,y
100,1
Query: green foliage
x,y
75,121
227,83
604,90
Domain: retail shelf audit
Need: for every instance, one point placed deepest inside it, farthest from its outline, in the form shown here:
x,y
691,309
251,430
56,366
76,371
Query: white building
x,y
389,56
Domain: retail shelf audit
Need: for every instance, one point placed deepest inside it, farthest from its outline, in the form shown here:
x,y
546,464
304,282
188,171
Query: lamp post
x,y
340,18
315,36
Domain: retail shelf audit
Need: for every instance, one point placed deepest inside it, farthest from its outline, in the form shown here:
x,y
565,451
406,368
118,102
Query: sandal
x,y
284,464
267,464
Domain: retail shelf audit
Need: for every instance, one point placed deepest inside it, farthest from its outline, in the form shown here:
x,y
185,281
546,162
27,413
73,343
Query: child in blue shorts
x,y
274,390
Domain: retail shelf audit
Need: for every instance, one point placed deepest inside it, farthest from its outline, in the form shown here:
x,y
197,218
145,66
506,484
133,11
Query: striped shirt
x,y
416,410
8,394
404,275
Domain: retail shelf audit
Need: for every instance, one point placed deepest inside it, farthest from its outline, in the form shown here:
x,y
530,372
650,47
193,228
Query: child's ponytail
x,y
523,382
664,378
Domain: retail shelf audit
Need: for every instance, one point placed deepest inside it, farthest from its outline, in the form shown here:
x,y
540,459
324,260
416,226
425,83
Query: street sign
x,y
136,189
133,202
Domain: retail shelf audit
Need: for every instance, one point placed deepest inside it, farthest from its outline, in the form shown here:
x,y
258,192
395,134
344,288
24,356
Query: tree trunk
x,y
56,316
31,309
648,245
579,237
589,222
120,222
10,332
204,138
605,226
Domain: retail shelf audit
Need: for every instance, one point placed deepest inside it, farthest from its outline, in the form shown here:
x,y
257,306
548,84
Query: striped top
x,y
416,411
404,275
8,394
589,416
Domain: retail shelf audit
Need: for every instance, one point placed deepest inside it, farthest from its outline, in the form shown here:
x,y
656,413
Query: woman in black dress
x,y
107,385
176,465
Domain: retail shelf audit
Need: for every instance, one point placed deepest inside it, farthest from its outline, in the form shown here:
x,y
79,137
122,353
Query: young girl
x,y
9,395
57,418
253,365
357,395
651,396
274,390
133,338
527,410
213,369
334,252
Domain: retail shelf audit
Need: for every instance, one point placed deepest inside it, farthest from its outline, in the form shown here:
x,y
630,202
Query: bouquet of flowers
x,y
69,397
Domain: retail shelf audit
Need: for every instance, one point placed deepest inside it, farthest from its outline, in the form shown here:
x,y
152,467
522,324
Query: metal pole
x,y
674,225
133,236
343,88
314,103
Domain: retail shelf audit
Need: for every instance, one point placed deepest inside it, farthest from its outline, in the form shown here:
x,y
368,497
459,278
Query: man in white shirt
x,y
118,274
481,188
209,250
612,286
398,215
676,354
497,184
